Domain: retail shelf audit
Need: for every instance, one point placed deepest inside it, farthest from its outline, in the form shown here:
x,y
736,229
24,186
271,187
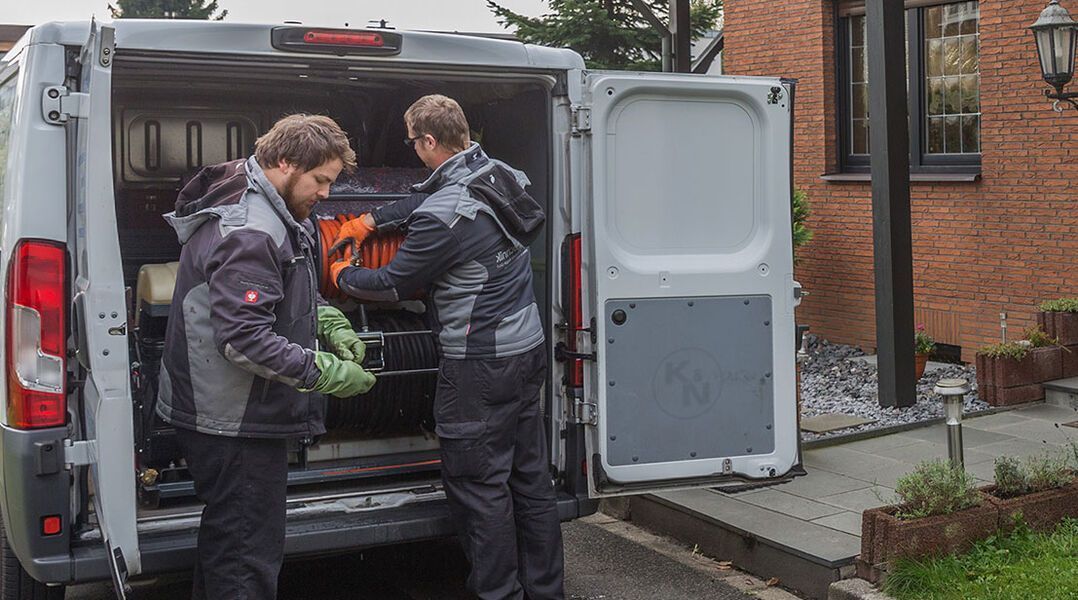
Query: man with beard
x,y
241,373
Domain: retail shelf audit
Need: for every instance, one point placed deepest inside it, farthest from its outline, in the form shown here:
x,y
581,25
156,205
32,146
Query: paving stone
x,y
1017,448
819,482
1049,412
861,500
847,521
1037,430
922,451
971,436
993,421
834,458
832,422
885,442
802,536
789,504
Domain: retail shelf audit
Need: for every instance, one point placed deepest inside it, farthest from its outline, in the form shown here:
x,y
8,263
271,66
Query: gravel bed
x,y
832,383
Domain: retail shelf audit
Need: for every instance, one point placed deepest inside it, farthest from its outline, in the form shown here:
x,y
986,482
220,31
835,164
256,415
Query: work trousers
x,y
243,483
496,471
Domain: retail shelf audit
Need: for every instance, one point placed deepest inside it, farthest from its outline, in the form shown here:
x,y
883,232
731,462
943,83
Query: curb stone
x,y
855,589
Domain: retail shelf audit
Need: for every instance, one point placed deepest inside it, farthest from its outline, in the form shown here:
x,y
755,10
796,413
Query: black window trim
x,y
920,161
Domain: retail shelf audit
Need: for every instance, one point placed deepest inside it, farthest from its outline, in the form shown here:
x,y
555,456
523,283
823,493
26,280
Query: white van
x,y
665,277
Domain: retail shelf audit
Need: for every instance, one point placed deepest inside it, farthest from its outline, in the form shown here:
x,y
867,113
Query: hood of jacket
x,y
220,192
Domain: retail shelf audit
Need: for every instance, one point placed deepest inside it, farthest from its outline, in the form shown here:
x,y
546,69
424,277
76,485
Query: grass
x,y
1023,564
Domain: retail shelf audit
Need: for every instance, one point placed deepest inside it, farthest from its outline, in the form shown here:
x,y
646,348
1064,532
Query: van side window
x,y
7,115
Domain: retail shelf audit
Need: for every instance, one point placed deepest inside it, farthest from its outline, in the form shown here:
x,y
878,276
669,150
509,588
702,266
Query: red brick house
x,y
994,169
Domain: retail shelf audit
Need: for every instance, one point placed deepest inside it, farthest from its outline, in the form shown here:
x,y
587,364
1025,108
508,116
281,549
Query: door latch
x,y
775,95
563,354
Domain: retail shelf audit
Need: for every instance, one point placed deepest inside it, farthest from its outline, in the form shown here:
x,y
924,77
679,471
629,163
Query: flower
x,y
922,342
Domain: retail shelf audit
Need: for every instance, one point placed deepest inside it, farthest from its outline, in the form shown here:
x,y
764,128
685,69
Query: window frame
x,y
920,160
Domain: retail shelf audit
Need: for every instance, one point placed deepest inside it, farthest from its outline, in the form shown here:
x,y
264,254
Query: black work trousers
x,y
243,482
497,477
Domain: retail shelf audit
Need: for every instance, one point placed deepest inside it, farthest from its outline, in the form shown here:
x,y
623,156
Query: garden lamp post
x,y
953,390
1055,32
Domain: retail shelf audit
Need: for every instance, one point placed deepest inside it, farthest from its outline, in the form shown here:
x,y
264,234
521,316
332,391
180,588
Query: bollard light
x,y
953,391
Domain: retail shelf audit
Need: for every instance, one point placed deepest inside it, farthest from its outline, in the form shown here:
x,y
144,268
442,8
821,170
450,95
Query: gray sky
x,y
461,15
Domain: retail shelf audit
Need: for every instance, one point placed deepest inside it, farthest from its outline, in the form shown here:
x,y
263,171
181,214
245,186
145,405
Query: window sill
x,y
914,177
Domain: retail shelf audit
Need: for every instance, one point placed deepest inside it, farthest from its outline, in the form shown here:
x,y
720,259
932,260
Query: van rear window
x,y
7,115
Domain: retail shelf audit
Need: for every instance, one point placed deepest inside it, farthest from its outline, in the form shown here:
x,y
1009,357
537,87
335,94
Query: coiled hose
x,y
376,251
396,404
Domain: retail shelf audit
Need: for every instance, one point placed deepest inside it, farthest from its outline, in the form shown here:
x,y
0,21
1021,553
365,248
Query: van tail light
x,y
574,302
340,42
36,335
345,38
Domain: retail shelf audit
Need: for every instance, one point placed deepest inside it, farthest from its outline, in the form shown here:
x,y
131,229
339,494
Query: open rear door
x,y
101,313
688,277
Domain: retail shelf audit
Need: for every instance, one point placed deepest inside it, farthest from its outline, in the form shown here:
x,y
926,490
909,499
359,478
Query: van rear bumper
x,y
342,533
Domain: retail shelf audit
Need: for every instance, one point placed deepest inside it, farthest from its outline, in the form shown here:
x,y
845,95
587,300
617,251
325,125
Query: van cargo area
x,y
171,118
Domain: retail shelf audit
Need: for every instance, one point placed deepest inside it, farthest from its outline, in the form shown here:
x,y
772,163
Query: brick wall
x,y
1001,244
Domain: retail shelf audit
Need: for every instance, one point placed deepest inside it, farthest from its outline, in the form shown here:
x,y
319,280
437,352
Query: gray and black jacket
x,y
241,330
466,245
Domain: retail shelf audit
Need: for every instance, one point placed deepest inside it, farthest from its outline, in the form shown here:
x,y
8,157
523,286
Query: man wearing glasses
x,y
468,229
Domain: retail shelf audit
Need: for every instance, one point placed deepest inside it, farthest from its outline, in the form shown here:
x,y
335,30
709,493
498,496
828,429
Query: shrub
x,y
1011,478
1038,338
1007,349
935,488
1060,305
802,234
922,342
1047,472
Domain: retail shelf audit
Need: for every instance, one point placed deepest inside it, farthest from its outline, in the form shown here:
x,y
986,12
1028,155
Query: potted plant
x,y
923,347
1043,491
938,512
1059,318
1012,372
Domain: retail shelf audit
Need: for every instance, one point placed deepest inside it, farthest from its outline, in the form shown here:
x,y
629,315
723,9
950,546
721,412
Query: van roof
x,y
219,37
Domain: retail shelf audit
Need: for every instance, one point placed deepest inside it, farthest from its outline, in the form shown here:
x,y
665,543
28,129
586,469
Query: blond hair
x,y
305,141
440,117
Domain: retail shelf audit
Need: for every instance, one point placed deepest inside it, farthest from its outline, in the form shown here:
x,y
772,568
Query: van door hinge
x,y
80,453
59,105
580,119
585,413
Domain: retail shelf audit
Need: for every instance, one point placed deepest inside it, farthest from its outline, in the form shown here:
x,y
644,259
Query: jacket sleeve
x,y
245,286
428,251
393,216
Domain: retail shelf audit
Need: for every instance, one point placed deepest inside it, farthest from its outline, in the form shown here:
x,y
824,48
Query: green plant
x,y
1023,564
1010,478
922,342
802,234
1038,338
1048,472
1007,349
935,488
1060,305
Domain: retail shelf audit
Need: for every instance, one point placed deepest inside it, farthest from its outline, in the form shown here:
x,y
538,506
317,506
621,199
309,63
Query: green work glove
x,y
335,329
341,378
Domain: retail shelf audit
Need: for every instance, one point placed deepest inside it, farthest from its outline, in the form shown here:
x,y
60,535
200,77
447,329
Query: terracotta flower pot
x,y
885,537
1041,511
919,362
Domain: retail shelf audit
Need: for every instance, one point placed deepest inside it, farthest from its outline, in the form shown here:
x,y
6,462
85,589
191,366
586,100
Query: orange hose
x,y
376,251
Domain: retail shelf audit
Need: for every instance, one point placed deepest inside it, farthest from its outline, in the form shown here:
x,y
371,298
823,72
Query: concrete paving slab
x,y
847,521
832,422
922,451
971,437
834,458
814,542
1017,448
789,504
1037,430
882,443
1050,412
867,467
993,421
861,500
819,482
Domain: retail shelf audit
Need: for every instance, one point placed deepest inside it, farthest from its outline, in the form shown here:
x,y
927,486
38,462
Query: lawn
x,y
1020,565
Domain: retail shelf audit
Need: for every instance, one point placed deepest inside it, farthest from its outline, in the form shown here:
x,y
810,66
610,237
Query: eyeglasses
x,y
410,142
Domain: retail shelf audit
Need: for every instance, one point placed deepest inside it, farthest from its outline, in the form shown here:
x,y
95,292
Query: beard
x,y
296,206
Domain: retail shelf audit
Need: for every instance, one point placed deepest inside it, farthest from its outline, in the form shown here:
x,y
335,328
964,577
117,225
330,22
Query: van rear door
x,y
685,224
101,314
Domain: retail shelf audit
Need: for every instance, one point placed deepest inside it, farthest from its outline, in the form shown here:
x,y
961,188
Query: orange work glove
x,y
357,229
336,268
